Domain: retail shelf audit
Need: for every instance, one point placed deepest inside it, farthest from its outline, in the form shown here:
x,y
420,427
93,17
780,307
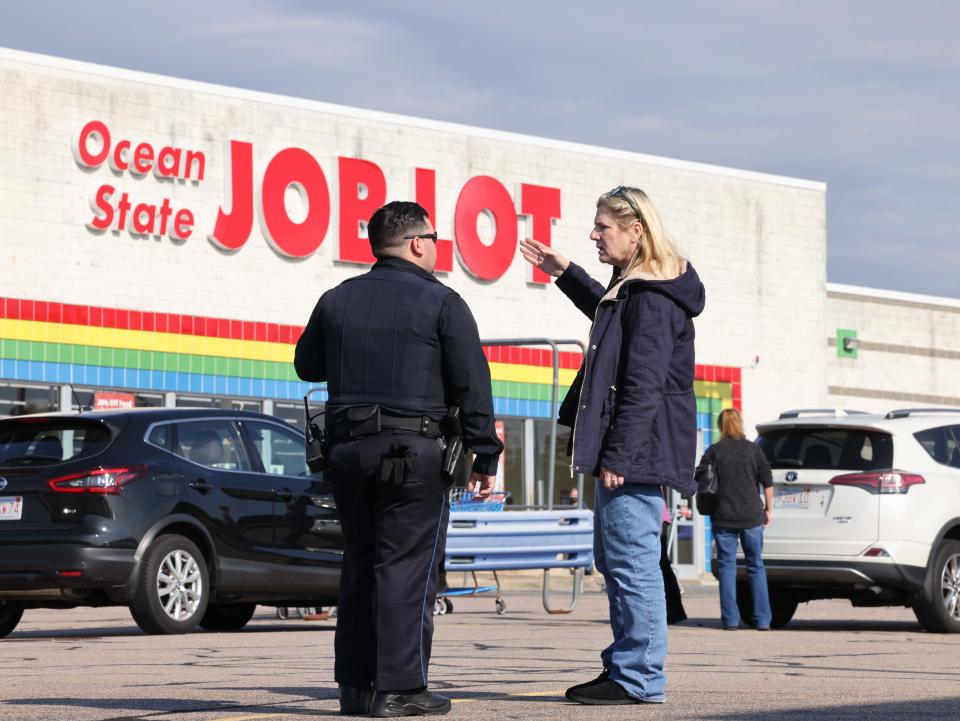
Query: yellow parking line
x,y
549,692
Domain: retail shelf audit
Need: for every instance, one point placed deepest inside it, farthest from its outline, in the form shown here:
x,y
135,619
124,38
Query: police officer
x,y
397,349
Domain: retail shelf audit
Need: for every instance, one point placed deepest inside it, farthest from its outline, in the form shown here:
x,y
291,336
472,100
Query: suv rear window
x,y
943,444
847,449
50,441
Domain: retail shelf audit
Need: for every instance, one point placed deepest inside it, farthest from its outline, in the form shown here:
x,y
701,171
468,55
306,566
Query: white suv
x,y
867,508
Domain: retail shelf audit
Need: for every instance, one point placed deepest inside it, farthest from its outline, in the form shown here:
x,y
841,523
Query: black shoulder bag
x,y
707,487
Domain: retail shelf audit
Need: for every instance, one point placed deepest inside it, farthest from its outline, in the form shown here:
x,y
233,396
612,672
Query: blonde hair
x,y
730,424
656,252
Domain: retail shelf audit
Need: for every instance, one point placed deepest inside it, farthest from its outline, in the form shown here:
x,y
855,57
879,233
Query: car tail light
x,y
876,552
97,480
879,481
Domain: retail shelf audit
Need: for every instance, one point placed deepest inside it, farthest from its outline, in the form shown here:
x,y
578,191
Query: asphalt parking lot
x,y
832,662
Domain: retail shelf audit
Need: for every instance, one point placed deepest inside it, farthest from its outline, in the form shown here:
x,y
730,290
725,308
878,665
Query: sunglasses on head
x,y
621,192
431,236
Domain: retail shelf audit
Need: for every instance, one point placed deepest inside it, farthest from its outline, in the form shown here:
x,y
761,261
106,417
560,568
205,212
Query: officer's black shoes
x,y
417,702
599,679
355,701
600,693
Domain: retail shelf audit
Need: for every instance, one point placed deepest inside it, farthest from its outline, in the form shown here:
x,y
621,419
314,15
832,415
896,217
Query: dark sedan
x,y
188,516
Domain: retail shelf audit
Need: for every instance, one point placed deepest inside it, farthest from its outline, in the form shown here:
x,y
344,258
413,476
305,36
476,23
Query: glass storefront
x,y
20,399
516,453
512,459
291,413
562,481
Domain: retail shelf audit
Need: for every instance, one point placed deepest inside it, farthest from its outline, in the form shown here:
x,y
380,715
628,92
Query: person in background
x,y
633,412
671,587
740,516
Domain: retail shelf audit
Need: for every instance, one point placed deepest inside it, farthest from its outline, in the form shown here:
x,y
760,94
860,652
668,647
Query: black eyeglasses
x,y
431,236
621,192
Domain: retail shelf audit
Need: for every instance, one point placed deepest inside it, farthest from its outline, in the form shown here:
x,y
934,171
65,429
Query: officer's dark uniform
x,y
397,338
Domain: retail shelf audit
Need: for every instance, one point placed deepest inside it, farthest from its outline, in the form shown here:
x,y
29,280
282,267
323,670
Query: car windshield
x,y
848,449
43,442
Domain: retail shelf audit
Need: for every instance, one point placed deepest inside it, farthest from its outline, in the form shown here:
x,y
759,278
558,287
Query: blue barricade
x,y
478,541
481,541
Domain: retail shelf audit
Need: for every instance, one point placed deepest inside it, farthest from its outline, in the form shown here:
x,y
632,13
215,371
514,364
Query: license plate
x,y
792,498
11,508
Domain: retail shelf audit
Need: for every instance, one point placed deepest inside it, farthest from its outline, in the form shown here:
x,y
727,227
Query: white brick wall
x,y
909,353
758,241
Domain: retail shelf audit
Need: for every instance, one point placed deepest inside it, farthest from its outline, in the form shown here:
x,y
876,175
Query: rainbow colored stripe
x,y
107,348
112,348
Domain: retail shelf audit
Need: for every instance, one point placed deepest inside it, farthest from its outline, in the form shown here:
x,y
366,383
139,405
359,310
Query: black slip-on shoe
x,y
599,679
604,693
423,703
355,701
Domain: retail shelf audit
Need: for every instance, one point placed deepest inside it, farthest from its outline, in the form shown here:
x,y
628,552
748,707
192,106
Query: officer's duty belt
x,y
347,429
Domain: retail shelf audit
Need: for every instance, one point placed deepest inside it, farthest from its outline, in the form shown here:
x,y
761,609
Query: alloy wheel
x,y
179,585
950,586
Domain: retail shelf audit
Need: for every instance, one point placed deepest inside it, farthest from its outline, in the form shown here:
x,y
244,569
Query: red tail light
x,y
98,480
879,481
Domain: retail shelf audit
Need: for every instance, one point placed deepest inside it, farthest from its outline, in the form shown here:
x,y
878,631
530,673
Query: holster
x,y
452,443
316,442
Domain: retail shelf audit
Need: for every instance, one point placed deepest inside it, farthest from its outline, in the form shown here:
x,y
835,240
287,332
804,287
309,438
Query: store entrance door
x,y
690,536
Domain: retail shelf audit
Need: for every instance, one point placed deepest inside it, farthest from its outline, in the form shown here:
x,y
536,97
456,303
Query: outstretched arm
x,y
572,280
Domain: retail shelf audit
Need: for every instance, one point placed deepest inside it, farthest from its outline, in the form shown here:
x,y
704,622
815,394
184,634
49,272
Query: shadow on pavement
x,y
935,709
161,707
122,631
814,624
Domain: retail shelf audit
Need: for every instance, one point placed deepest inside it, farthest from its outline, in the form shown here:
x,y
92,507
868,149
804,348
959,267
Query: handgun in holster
x,y
453,442
316,441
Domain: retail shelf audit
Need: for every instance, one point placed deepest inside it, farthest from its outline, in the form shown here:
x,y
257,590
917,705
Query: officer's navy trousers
x,y
394,533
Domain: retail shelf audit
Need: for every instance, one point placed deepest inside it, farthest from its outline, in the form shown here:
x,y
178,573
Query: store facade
x,y
163,241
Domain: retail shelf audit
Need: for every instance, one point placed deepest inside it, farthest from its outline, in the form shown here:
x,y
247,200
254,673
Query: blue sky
x,y
863,94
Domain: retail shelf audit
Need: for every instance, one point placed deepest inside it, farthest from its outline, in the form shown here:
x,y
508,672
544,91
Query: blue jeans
x,y
626,549
752,541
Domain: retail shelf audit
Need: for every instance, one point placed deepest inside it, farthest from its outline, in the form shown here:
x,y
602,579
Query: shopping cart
x,y
464,501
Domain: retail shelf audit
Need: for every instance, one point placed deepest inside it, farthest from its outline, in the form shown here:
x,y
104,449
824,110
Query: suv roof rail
x,y
835,412
907,412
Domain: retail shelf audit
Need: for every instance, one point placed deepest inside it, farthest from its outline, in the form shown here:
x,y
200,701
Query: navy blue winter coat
x,y
632,404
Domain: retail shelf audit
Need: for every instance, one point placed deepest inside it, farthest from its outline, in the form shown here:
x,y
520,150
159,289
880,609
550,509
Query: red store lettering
x,y
141,219
362,189
93,146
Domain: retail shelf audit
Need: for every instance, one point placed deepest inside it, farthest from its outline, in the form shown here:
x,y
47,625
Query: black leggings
x,y
671,588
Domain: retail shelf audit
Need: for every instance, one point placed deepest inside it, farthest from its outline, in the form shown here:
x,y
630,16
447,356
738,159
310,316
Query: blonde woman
x,y
634,417
739,516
